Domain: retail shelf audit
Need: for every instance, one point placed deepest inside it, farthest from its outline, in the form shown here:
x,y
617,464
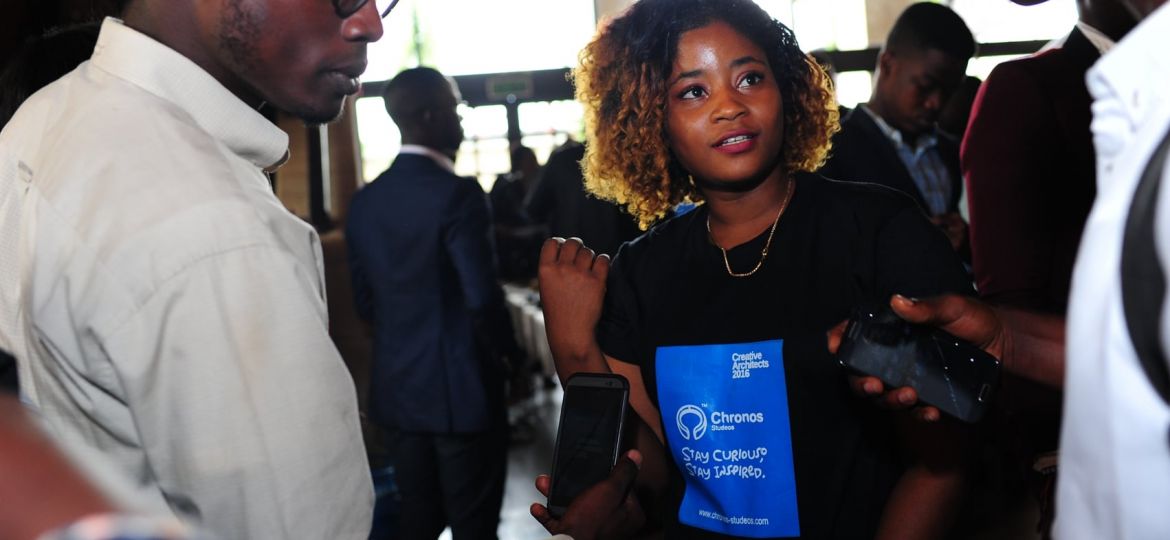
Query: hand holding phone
x,y
589,438
955,376
606,510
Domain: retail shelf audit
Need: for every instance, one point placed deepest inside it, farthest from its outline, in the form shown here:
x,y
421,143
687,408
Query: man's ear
x,y
887,63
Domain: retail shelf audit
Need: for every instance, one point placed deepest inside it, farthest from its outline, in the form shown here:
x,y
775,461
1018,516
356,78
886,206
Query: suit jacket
x,y
1028,162
862,153
423,274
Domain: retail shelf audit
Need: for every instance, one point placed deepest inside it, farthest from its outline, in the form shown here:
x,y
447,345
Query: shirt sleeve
x,y
467,235
617,330
244,409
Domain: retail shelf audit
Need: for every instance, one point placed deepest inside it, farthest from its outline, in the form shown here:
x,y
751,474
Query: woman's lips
x,y
736,144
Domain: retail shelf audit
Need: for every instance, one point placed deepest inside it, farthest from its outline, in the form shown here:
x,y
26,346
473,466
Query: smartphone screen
x,y
589,436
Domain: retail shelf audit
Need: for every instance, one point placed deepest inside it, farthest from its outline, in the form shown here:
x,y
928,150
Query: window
x,y
1000,20
460,37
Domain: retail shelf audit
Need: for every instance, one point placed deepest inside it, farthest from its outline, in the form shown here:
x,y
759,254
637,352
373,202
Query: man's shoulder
x,y
419,171
1052,70
135,179
858,134
858,123
857,149
412,180
100,126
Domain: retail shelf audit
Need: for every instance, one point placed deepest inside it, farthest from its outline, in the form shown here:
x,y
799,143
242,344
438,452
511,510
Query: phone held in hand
x,y
589,438
953,375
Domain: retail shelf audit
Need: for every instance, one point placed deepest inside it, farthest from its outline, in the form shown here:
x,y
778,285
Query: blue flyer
x,y
725,413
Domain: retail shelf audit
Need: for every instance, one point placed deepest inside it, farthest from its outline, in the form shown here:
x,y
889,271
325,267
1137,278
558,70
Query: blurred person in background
x,y
894,139
561,202
518,238
424,276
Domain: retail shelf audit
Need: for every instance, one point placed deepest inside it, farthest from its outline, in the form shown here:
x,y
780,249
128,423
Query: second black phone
x,y
589,437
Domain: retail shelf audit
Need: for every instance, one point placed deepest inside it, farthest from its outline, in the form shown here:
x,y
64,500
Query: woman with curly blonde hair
x,y
717,317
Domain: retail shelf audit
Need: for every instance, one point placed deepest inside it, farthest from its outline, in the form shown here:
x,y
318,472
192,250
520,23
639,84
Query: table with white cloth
x,y
528,321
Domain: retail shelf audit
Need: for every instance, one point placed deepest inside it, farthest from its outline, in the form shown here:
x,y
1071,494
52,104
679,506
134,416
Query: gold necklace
x,y
768,244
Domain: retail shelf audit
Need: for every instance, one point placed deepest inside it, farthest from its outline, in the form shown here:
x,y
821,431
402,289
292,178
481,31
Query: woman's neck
x,y
735,218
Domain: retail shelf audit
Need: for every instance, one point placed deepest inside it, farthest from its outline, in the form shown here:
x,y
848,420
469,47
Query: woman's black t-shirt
x,y
669,298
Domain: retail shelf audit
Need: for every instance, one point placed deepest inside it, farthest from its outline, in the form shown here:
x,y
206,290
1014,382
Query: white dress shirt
x,y
1115,450
165,309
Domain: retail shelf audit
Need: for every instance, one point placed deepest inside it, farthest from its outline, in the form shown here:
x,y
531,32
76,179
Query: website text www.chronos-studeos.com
x,y
733,520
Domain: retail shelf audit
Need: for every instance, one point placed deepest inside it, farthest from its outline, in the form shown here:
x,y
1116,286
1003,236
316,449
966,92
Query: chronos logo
x,y
692,422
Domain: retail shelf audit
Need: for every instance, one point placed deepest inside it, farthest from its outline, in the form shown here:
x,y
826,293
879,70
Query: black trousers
x,y
450,479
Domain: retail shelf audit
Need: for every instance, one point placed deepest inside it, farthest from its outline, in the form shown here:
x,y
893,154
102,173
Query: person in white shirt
x,y
1115,439
164,308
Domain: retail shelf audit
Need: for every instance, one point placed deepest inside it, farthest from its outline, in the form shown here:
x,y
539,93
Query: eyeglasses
x,y
346,8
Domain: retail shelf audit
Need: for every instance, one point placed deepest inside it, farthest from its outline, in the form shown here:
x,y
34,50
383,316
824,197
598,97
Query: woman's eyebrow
x,y
692,74
746,60
695,73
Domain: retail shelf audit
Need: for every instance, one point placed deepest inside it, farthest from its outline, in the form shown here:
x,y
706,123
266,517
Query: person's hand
x,y
572,290
953,226
961,316
867,386
608,509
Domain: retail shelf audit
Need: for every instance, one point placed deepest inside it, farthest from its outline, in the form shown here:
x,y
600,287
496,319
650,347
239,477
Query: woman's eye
x,y
691,93
751,79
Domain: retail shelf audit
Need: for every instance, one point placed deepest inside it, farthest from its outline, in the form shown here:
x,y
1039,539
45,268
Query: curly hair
x,y
622,82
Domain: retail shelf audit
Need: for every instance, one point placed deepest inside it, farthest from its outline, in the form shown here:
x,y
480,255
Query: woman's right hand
x,y
572,290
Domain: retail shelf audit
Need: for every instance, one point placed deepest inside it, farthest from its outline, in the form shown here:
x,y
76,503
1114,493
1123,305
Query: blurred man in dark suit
x,y
424,275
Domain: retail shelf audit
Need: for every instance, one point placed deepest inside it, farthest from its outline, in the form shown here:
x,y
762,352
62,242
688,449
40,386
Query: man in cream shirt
x,y
165,310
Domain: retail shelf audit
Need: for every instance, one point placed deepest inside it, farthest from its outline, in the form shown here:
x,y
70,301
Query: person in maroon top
x,y
1027,158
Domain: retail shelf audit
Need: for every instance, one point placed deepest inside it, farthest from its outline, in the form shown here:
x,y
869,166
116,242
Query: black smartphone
x,y
589,437
947,372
